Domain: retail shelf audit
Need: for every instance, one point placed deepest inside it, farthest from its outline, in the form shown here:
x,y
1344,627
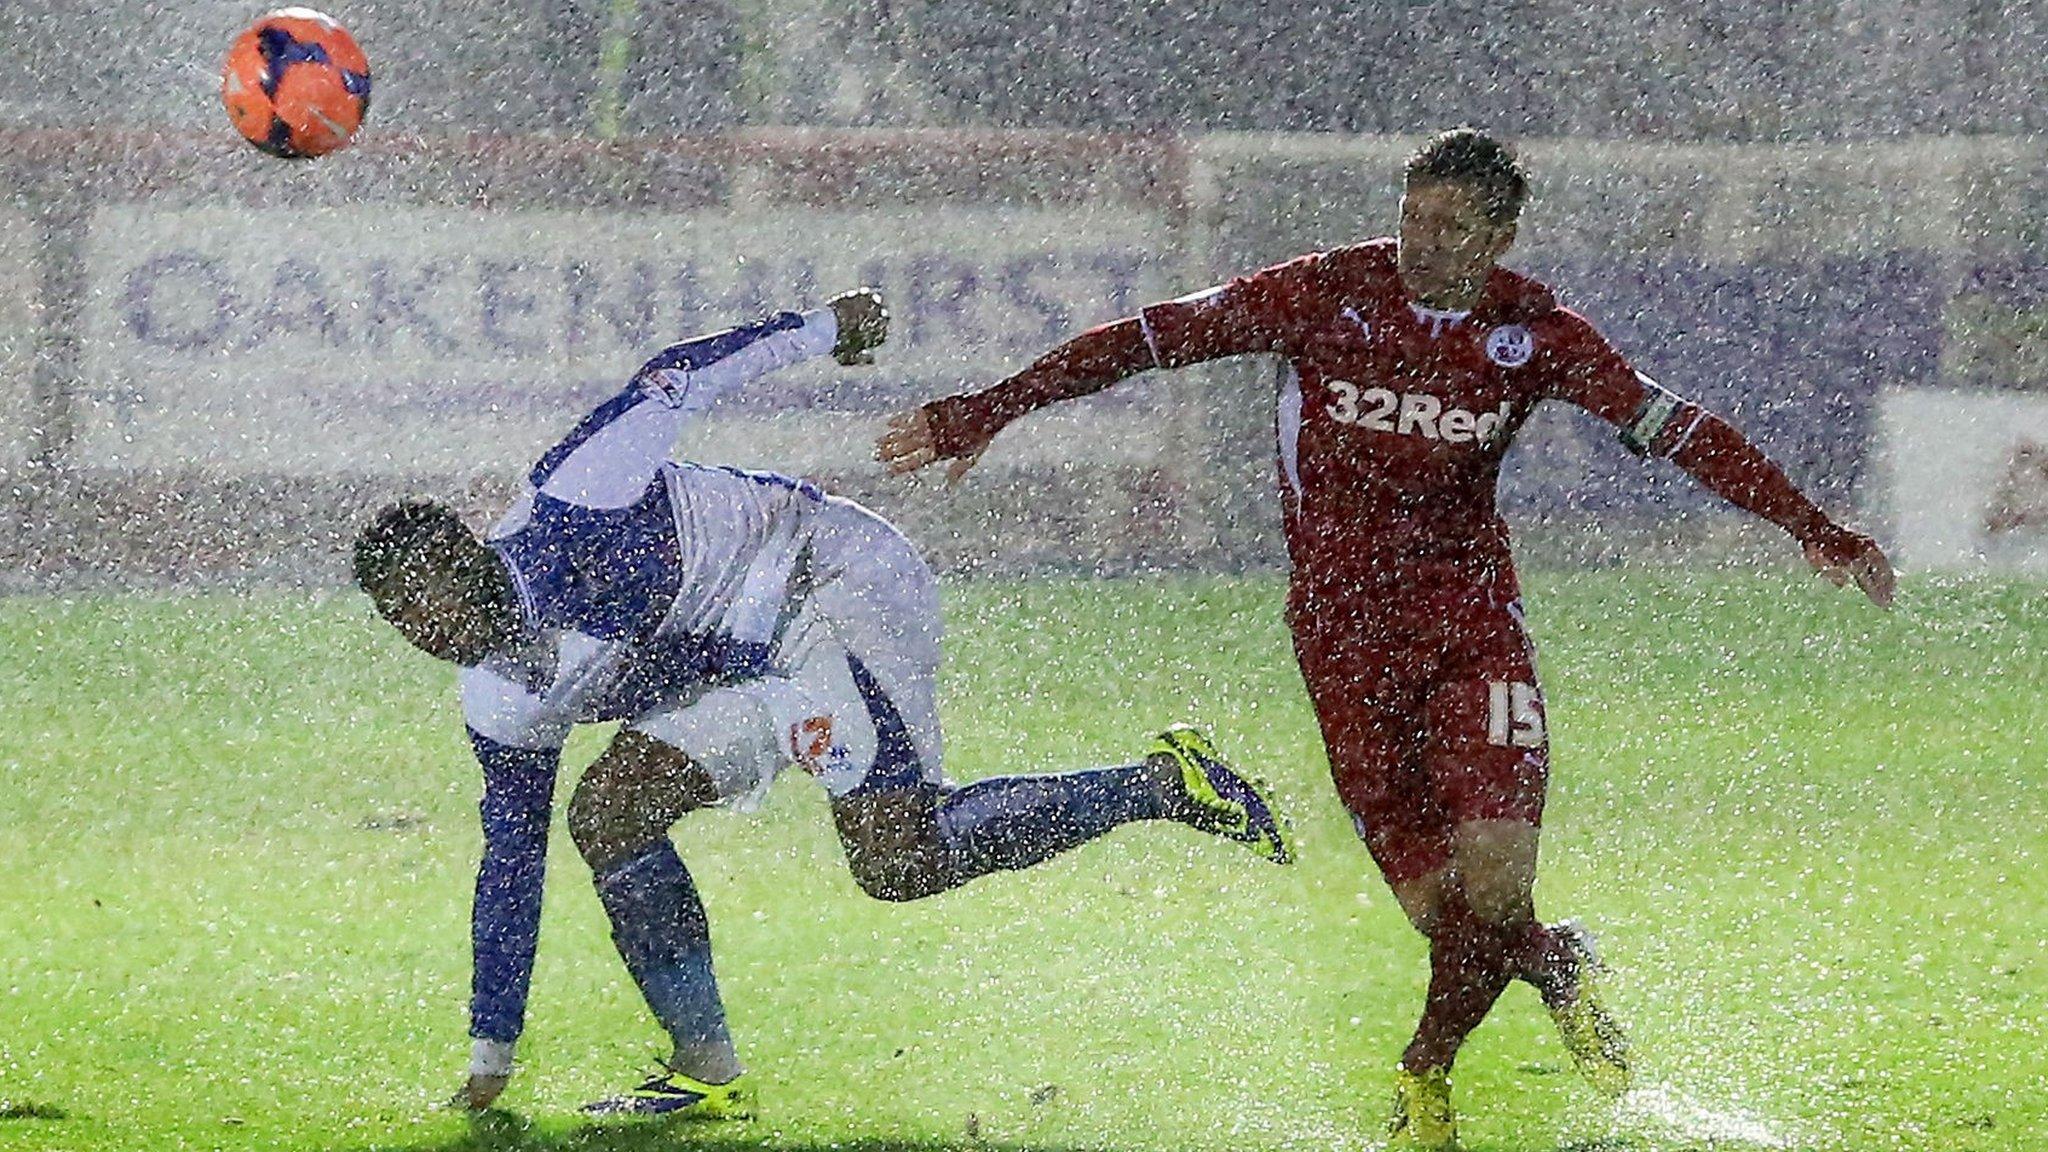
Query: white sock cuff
x,y
491,1057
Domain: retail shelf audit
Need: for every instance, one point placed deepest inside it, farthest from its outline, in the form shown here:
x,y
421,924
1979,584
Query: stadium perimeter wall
x,y
212,364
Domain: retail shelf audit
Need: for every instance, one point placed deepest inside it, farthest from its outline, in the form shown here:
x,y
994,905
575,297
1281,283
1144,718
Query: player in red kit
x,y
1411,364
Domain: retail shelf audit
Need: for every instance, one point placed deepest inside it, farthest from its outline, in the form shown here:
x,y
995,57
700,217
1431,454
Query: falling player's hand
x,y
863,325
1841,555
479,1092
490,1069
909,444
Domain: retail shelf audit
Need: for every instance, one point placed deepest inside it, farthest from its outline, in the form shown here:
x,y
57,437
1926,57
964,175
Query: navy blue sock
x,y
1010,822
659,926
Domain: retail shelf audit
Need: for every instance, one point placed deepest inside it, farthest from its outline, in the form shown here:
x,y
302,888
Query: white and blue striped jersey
x,y
638,576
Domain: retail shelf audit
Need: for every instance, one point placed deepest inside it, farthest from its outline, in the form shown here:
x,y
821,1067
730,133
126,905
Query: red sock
x,y
1470,965
1546,964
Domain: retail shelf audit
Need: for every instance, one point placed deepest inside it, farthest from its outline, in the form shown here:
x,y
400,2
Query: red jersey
x,y
1393,418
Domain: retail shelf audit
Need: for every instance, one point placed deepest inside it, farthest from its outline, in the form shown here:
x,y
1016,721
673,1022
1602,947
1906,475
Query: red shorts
x,y
1430,711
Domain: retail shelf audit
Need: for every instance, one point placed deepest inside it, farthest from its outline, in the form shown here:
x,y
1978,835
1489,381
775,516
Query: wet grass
x,y
236,838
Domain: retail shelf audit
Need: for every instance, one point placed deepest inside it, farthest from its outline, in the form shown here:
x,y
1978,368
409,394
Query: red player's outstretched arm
x,y
1657,422
963,424
1247,314
1729,465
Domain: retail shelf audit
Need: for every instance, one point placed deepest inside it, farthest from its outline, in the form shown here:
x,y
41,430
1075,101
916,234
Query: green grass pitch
x,y
237,837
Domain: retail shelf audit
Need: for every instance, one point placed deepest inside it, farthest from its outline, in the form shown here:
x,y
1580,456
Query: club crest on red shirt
x,y
1510,345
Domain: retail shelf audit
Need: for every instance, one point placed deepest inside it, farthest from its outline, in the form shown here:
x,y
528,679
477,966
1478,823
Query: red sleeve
x,y
1584,369
963,424
1249,314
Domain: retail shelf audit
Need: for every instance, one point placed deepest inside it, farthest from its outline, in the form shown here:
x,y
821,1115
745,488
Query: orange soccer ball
x,y
296,84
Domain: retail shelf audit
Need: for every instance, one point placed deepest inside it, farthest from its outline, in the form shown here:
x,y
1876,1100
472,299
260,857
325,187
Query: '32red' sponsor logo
x,y
1413,414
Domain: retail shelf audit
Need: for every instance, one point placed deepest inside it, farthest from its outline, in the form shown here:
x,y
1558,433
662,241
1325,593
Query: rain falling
x,y
898,576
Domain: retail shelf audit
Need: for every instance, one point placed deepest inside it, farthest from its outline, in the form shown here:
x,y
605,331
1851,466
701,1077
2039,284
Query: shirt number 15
x,y
1514,714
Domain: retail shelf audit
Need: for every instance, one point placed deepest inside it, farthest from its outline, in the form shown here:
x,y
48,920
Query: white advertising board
x,y
1968,479
405,341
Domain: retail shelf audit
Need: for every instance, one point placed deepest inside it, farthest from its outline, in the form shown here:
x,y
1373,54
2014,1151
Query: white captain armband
x,y
1151,341
1661,410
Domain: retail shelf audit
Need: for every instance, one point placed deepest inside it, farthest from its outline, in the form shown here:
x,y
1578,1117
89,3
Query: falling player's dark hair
x,y
400,531
1471,157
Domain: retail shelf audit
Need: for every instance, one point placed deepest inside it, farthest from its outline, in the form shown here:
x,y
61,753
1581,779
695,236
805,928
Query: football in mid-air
x,y
296,84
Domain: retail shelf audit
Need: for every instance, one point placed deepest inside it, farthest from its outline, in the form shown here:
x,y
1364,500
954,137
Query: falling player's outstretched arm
x,y
519,784
1654,421
609,458
1246,315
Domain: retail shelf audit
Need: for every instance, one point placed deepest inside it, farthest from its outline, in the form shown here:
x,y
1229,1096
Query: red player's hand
x,y
910,444
1841,555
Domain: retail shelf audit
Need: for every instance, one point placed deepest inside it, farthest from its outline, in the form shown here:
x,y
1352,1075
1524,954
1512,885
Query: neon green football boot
x,y
1598,1046
1223,802
1423,1119
671,1093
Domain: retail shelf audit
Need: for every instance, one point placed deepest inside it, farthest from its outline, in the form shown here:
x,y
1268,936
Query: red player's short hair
x,y
1471,157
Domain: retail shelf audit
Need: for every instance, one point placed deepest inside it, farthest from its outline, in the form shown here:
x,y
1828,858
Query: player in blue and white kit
x,y
737,622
